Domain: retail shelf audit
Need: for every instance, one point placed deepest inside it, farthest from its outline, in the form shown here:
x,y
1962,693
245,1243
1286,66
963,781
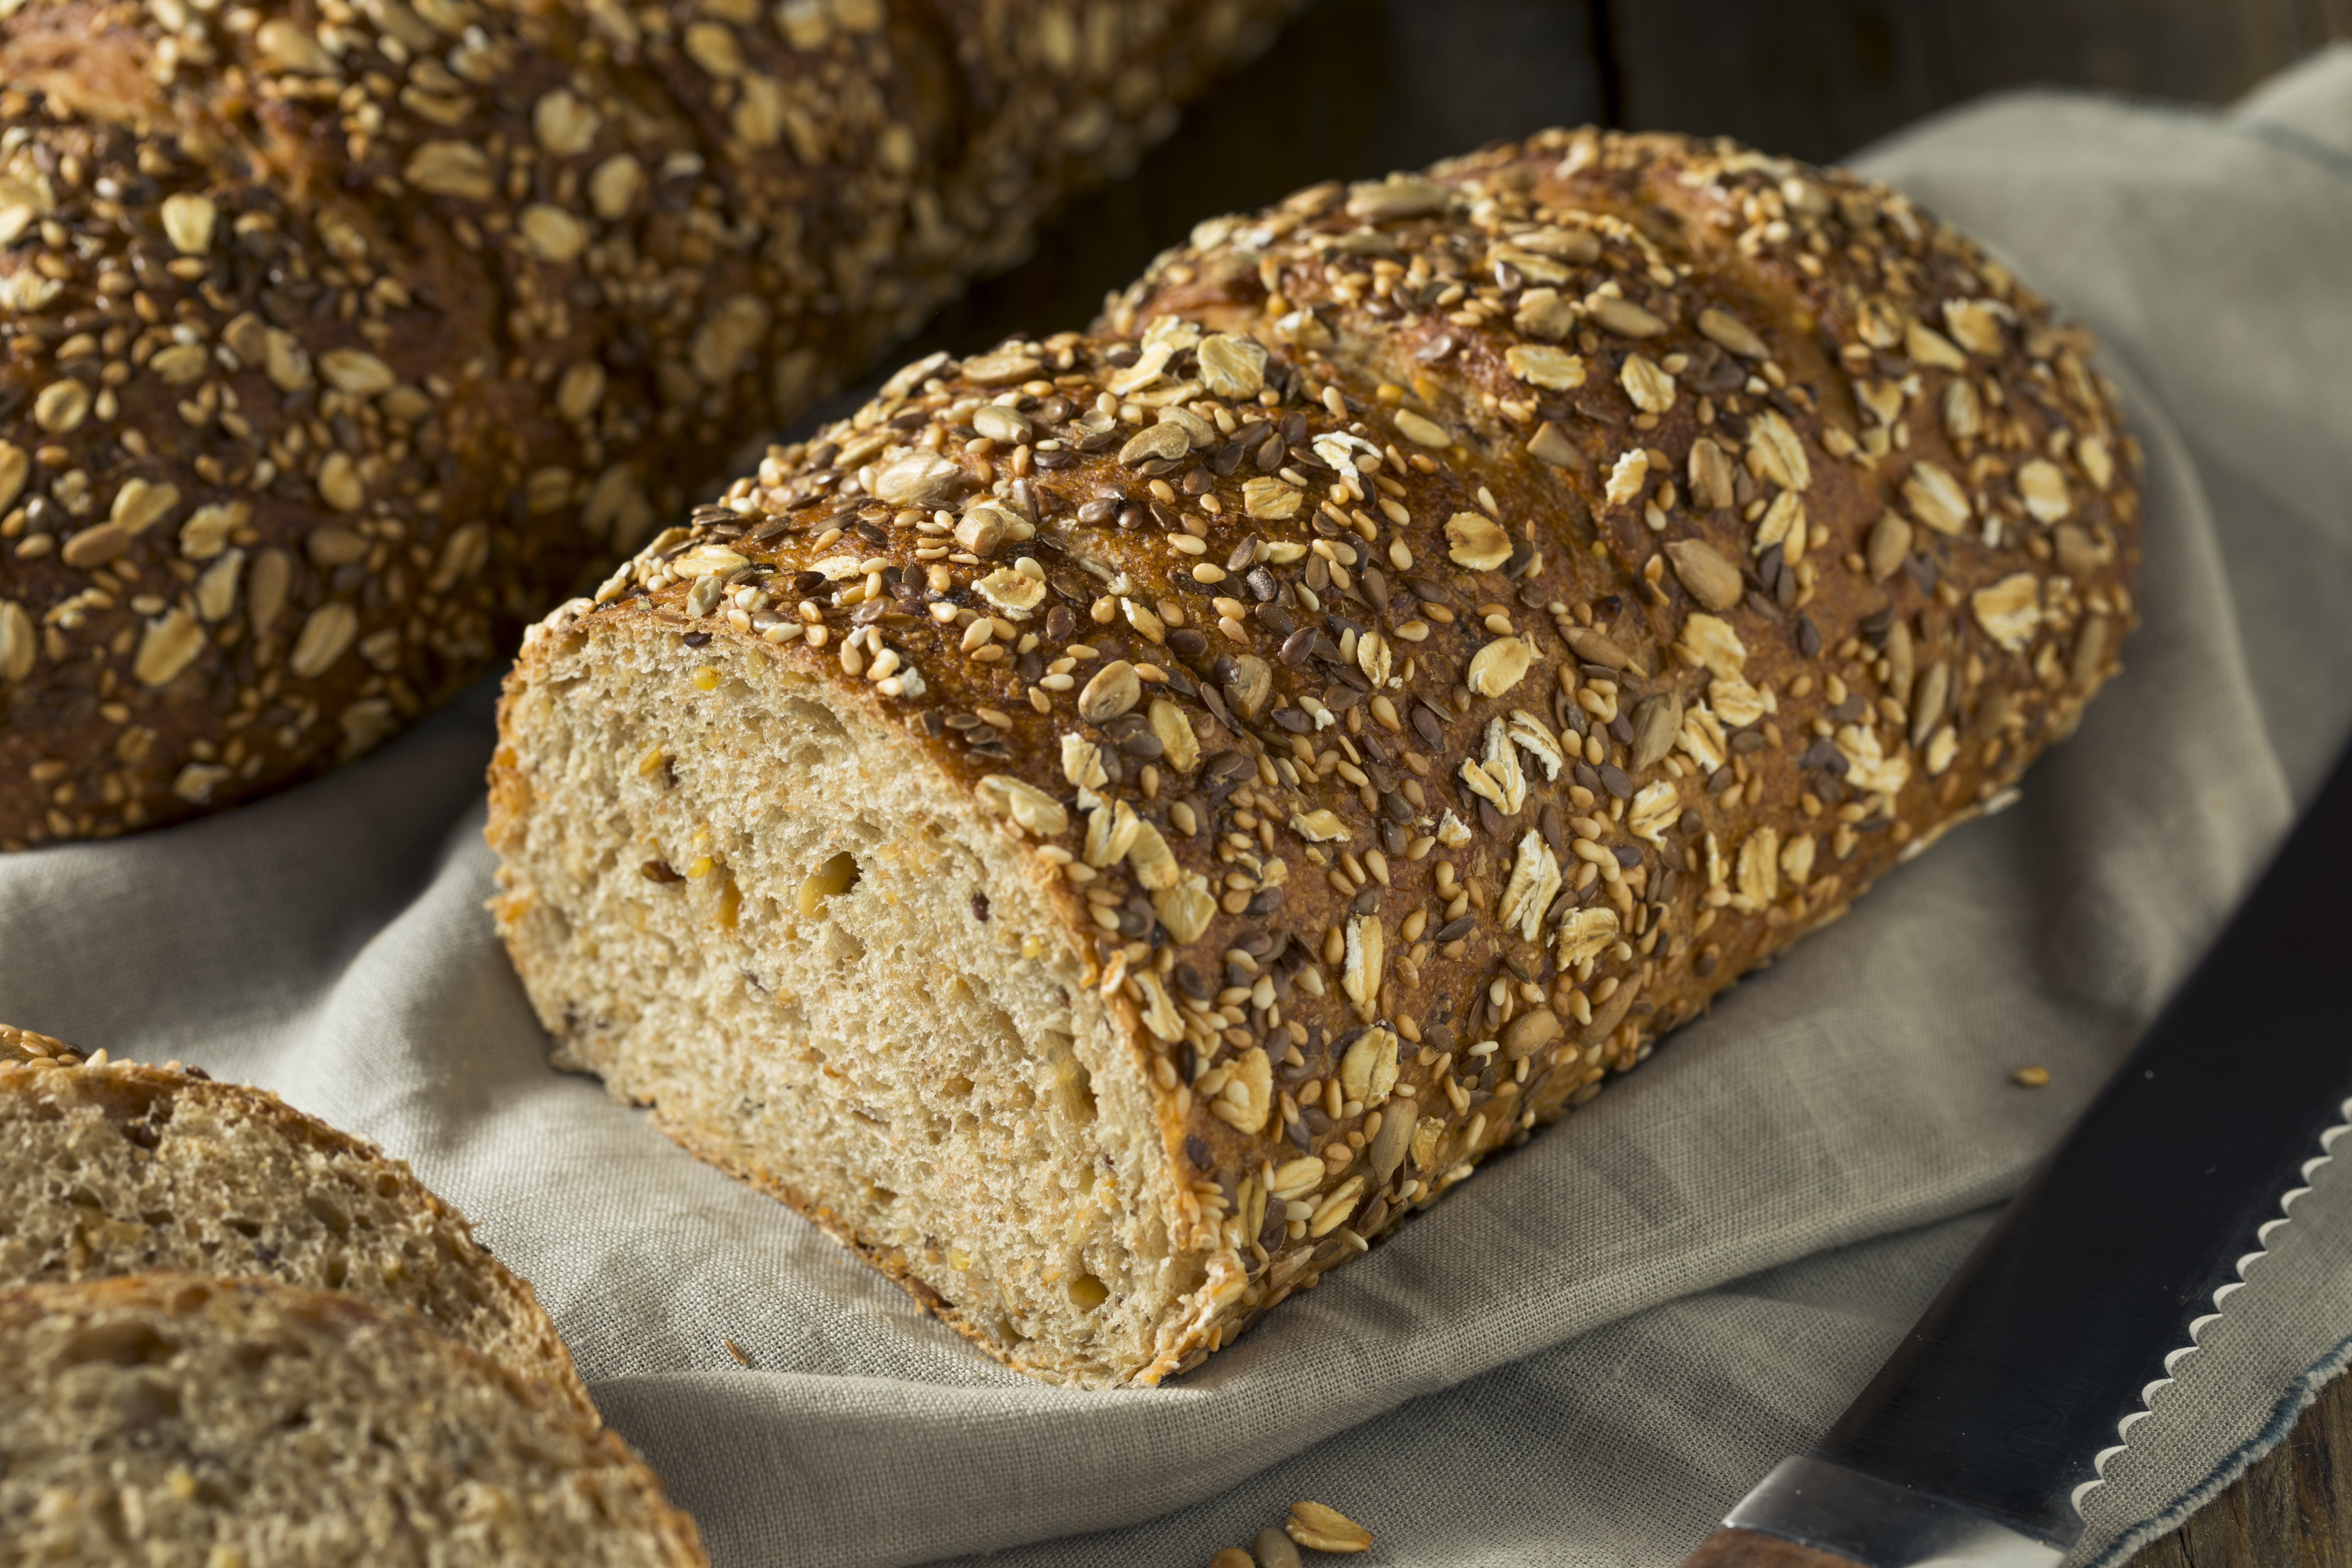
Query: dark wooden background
x,y
1357,87
1354,88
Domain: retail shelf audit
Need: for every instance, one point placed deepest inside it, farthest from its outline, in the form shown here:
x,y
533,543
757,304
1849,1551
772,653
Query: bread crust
x,y
45,1083
1491,611
343,342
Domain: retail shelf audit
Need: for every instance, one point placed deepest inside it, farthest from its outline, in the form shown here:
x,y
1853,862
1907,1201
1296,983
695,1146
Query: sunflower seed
x,y
1273,1549
1712,580
1114,689
1656,721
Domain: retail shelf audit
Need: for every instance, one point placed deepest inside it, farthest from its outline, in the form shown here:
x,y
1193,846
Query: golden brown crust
x,y
43,1080
342,340
1485,614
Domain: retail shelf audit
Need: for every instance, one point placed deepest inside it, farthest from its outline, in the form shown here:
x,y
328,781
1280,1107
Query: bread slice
x,y
882,1041
120,1168
1115,825
167,1420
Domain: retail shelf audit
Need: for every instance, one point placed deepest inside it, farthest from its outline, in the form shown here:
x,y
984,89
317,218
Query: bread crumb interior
x,y
747,903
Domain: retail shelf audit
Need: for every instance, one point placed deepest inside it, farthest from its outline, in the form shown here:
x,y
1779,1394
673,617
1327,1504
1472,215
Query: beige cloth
x,y
1588,1354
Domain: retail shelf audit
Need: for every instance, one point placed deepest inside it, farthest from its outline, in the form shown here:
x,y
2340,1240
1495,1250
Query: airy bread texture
x,y
116,1168
916,1089
167,1420
344,338
1116,825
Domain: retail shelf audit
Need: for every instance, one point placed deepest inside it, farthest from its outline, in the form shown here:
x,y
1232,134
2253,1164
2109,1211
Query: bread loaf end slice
x,y
171,1420
899,1038
121,1168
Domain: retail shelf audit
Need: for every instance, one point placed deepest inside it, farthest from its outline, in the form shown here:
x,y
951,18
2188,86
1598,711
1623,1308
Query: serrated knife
x,y
1976,1441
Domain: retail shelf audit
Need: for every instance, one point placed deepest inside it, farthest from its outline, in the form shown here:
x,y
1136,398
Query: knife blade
x,y
1976,1441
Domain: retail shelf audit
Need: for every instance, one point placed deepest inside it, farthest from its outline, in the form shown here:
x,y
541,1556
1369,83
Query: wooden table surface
x,y
2291,1509
1354,88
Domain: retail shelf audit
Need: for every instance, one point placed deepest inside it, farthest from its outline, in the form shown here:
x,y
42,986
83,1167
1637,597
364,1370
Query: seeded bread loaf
x,y
344,336
1200,785
168,1419
116,1168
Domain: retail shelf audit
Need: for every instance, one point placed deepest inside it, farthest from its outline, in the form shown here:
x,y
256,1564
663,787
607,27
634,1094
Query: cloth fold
x,y
1588,1353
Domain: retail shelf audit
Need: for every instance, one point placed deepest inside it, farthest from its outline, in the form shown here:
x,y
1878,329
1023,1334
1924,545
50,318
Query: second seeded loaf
x,y
119,1168
344,337
1170,812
